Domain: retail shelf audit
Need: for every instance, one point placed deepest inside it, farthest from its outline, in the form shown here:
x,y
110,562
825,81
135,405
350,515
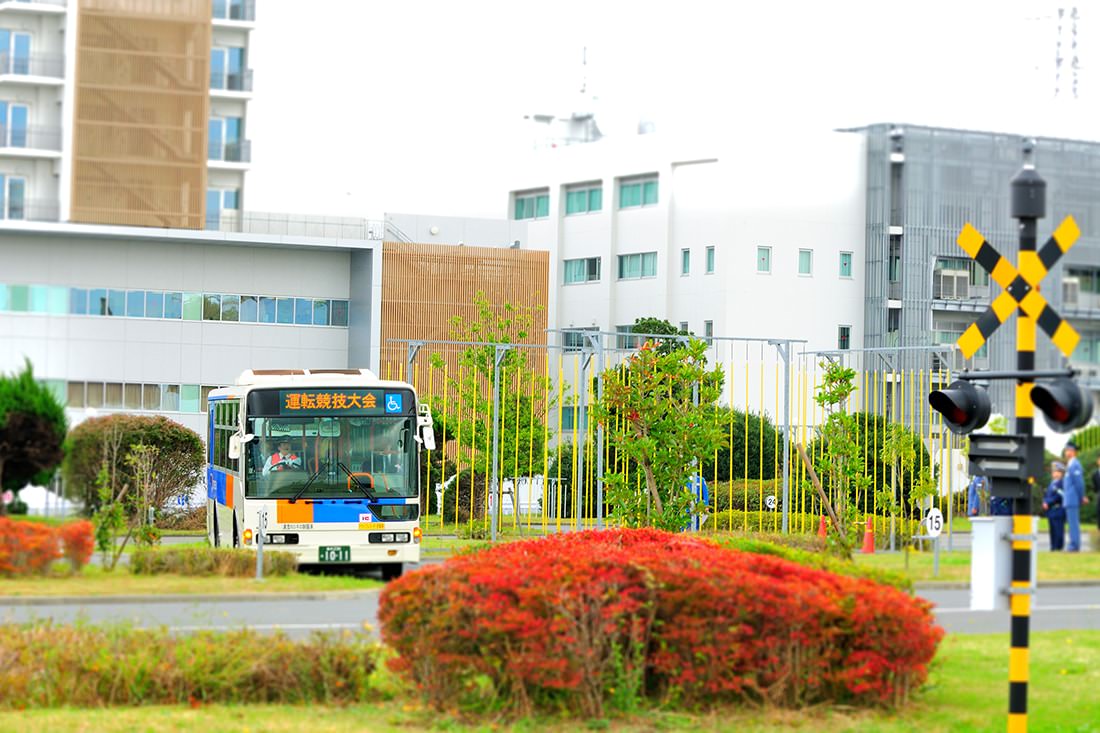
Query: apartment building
x,y
124,112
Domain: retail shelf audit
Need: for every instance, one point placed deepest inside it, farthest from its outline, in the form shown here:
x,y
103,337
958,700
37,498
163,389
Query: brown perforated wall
x,y
140,117
425,285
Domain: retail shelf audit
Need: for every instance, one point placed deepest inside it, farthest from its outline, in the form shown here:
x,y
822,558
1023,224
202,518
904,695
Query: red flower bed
x,y
26,548
78,542
29,548
581,620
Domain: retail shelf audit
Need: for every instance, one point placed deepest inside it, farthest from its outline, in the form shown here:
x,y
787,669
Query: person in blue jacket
x,y
1052,505
1073,486
974,497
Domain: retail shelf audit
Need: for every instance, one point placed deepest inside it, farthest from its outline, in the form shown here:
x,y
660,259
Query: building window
x,y
574,340
763,259
635,192
532,206
218,200
625,340
15,52
845,264
14,192
684,326
710,260
582,271
224,141
805,262
637,266
708,329
227,68
228,10
685,262
13,118
844,337
583,199
59,300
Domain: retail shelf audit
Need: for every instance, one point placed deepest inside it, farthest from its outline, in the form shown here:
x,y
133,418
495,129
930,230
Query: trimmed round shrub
x,y
585,621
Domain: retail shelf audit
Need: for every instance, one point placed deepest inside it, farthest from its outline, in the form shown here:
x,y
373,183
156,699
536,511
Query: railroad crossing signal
x,y
1021,287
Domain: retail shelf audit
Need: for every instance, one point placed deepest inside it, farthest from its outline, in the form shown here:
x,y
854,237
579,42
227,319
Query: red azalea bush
x,y
584,620
26,548
78,542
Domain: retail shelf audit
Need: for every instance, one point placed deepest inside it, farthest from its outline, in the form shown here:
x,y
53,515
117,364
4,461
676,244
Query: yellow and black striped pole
x,y
1028,206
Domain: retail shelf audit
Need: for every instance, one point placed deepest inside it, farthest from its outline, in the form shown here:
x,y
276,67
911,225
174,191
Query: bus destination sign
x,y
340,402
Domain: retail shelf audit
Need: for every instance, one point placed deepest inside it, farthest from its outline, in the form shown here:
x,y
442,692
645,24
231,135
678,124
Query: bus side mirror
x,y
428,437
234,447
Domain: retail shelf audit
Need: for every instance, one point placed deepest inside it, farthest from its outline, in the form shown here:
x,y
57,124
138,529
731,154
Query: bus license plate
x,y
335,553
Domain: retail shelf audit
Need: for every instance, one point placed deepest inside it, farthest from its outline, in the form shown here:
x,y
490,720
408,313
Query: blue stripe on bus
x,y
215,485
334,512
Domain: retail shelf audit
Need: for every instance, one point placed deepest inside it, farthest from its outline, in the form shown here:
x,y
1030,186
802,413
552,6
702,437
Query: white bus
x,y
329,457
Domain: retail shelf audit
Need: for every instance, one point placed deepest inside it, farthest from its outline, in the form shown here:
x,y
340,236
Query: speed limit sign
x,y
934,522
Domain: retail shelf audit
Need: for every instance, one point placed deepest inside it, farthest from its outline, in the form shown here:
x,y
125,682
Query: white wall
x,y
98,348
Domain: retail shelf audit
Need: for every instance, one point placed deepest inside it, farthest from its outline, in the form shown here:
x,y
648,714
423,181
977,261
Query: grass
x,y
1053,566
94,581
967,692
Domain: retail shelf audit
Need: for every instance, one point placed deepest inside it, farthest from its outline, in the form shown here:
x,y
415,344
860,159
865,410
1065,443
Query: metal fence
x,y
516,444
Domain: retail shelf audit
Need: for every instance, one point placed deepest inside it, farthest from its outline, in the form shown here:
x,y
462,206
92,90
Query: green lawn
x,y
1053,566
94,581
966,692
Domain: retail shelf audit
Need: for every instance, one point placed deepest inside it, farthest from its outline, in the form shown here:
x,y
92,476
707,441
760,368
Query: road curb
x,y
336,595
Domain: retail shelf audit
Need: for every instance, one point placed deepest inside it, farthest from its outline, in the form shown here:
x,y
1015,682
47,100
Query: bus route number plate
x,y
335,553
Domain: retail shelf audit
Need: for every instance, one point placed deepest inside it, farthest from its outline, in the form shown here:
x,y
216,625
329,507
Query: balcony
x,y
31,142
300,225
34,68
30,6
31,210
222,81
233,11
232,153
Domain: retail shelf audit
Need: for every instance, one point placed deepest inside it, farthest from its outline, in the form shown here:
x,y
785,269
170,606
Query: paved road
x,y
1053,608
298,617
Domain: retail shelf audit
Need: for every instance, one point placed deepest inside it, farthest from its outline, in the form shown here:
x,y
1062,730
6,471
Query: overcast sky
x,y
363,107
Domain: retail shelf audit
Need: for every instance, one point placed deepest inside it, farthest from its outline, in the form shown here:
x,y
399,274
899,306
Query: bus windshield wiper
x,y
356,481
306,486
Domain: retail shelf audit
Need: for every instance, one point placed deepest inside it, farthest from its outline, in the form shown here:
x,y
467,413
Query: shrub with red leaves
x,y
586,620
26,548
78,542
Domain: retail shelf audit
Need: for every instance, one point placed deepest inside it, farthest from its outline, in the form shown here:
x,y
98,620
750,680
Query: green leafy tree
x,y
32,432
107,441
661,327
467,412
841,464
665,432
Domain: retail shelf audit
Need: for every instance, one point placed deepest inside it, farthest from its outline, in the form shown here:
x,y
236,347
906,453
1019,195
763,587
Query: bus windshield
x,y
331,457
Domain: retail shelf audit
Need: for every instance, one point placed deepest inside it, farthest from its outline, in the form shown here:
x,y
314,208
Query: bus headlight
x,y
248,537
417,534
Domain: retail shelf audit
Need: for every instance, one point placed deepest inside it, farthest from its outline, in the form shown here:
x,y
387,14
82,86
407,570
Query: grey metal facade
x,y
924,184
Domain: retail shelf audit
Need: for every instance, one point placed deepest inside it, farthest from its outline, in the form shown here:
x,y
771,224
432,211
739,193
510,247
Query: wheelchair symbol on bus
x,y
393,403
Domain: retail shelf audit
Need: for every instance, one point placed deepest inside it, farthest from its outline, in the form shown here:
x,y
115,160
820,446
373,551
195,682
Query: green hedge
x,y
209,561
46,665
771,522
780,546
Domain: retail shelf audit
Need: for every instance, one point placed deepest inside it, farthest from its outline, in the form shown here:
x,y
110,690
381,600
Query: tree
x,y
32,432
661,327
665,432
523,409
105,442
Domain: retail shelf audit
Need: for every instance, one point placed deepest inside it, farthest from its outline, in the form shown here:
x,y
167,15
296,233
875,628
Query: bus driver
x,y
282,460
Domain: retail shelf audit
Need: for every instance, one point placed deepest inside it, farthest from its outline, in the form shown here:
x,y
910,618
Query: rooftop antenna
x,y
584,70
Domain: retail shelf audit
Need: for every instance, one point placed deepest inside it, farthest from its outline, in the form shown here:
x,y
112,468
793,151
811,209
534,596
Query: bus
x,y
326,459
